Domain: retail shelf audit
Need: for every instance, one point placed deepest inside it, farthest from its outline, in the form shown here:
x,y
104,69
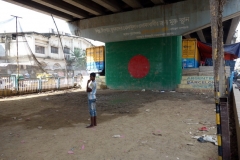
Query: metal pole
x,y
62,50
216,9
17,53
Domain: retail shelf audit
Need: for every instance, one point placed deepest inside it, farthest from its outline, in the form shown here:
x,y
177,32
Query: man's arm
x,y
88,89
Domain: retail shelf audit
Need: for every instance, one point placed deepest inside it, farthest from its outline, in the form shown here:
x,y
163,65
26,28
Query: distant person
x,y
92,89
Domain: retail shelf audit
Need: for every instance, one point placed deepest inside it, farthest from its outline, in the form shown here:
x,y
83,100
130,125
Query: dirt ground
x,y
151,125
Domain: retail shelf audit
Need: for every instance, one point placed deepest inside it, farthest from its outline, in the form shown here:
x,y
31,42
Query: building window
x,y
39,49
66,50
54,50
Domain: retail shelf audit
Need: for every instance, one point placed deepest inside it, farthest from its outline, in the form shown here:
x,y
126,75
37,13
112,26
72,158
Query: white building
x,y
46,47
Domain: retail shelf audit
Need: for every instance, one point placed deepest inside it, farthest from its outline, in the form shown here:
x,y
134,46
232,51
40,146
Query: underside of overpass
x,y
143,37
80,10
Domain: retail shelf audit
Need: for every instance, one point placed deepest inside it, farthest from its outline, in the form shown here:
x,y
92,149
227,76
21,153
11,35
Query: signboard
x,y
160,21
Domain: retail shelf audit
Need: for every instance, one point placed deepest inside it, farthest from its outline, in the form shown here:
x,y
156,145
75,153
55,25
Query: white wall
x,y
49,58
2,49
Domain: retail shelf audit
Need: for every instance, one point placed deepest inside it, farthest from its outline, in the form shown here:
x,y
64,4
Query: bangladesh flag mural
x,y
144,64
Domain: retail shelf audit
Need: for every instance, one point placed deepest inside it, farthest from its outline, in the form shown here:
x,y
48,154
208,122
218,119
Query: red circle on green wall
x,y
138,66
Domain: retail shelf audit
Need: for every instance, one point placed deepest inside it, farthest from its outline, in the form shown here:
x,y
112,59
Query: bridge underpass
x,y
117,22
78,11
147,31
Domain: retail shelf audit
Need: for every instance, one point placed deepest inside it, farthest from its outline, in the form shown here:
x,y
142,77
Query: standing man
x,y
92,89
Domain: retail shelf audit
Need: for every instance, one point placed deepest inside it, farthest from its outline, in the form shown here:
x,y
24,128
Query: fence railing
x,y
10,85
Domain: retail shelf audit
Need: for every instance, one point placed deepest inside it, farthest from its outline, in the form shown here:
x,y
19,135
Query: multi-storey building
x,y
39,50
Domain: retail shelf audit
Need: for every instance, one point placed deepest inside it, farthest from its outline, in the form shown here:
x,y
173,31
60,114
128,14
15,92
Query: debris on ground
x,y
157,134
116,136
70,152
147,110
203,129
190,144
143,90
205,123
207,138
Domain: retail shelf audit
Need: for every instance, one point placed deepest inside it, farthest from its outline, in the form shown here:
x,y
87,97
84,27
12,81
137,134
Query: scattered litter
x,y
210,139
162,91
203,129
196,137
205,123
207,138
157,134
211,128
190,132
147,110
70,152
177,158
83,147
20,119
200,139
190,144
143,90
116,136
39,127
143,142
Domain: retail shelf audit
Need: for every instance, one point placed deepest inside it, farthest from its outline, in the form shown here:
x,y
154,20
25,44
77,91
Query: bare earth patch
x,y
151,125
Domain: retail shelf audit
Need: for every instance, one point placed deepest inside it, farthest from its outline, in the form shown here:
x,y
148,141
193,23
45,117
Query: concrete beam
x,y
41,8
158,1
64,7
234,24
133,3
110,5
87,6
187,36
201,36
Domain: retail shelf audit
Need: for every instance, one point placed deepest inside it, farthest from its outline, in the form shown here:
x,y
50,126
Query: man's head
x,y
92,76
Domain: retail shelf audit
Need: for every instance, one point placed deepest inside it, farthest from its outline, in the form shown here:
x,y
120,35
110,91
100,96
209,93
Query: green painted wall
x,y
164,56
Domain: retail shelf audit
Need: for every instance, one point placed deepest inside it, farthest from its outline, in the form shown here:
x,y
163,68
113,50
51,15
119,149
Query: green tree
x,y
78,59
